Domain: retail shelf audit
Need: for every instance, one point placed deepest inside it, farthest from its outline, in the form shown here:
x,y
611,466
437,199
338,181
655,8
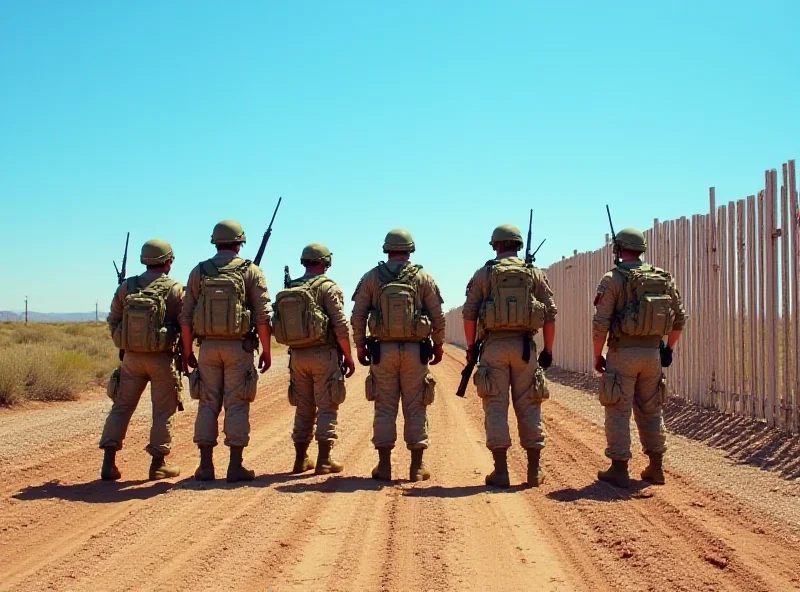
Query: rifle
x,y
121,272
287,279
466,373
613,237
528,255
179,366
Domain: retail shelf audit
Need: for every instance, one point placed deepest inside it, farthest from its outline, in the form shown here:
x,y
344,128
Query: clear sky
x,y
447,118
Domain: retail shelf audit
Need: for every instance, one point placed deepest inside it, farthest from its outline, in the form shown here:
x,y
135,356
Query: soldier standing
x,y
636,306
401,306
309,318
508,301
224,295
144,325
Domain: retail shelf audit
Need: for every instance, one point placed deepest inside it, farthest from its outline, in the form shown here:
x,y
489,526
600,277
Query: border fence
x,y
738,270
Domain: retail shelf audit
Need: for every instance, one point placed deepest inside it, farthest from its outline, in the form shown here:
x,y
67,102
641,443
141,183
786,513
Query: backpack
x,y
511,304
647,309
221,311
398,315
143,312
298,321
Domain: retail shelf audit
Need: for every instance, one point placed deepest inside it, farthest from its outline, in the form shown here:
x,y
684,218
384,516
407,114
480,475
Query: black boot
x,y
205,472
159,469
325,464
418,471
383,472
535,473
109,471
654,473
499,477
301,461
617,474
237,472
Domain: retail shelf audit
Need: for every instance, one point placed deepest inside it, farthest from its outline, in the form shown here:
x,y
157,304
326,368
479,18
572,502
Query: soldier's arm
x,y
362,303
472,305
174,302
188,304
680,317
257,295
544,294
333,304
114,317
604,303
432,301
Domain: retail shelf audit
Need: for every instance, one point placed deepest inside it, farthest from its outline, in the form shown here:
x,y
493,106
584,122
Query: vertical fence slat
x,y
753,309
785,326
731,289
739,345
723,305
795,275
772,300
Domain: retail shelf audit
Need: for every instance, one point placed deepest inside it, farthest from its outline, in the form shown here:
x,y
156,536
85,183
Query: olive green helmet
x,y
227,231
506,232
398,241
630,239
316,252
156,252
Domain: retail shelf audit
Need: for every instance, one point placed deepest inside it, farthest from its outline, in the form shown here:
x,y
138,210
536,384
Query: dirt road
x,y
716,525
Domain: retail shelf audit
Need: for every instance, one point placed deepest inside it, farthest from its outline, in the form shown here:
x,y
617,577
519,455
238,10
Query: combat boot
x,y
617,474
654,473
159,469
109,470
205,472
418,471
499,477
535,473
236,471
325,464
383,472
301,461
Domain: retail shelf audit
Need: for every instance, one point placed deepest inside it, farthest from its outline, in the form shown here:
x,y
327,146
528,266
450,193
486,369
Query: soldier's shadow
x,y
259,482
599,491
440,491
94,492
337,484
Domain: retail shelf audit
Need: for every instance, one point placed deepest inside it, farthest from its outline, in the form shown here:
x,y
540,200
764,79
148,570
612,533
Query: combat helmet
x,y
398,241
506,232
630,239
227,231
316,252
156,252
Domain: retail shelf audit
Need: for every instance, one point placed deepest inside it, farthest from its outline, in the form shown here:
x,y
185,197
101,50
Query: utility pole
x,y
26,309
96,318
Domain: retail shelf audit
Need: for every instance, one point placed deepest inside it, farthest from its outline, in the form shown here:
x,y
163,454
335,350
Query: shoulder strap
x,y
132,284
208,268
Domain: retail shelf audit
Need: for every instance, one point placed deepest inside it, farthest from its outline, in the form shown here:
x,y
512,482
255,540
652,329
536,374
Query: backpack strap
x,y
208,268
132,284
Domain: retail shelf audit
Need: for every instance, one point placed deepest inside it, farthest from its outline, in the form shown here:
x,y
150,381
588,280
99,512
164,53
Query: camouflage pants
x,y
400,375
228,379
136,371
637,372
316,389
501,367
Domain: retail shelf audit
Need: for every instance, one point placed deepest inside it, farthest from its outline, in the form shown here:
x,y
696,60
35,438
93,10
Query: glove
x,y
545,359
666,355
363,356
600,364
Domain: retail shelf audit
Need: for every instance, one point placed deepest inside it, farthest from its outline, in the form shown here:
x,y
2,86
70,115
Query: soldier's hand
x,y
438,353
600,364
363,356
189,361
472,353
264,361
666,355
350,366
545,359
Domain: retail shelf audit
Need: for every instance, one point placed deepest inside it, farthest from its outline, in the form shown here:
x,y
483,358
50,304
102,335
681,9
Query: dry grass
x,y
52,361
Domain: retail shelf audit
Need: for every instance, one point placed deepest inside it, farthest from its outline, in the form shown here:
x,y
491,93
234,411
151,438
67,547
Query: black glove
x,y
545,359
600,364
666,355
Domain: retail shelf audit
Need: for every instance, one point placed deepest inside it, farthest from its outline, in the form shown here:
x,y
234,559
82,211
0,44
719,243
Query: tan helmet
x,y
227,231
630,239
316,252
506,232
156,252
398,241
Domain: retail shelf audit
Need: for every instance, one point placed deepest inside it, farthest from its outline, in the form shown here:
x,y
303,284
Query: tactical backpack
x,y
511,304
143,312
398,314
647,309
221,311
298,321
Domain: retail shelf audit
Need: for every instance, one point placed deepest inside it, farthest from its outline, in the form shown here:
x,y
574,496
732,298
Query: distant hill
x,y
50,317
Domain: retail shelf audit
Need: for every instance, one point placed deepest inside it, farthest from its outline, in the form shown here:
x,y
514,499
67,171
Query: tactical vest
x,y
397,314
298,320
221,311
647,307
511,304
143,313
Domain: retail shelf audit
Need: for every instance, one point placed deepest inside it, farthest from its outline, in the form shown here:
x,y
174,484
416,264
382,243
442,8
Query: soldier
x,y
636,305
508,301
401,305
309,318
224,295
144,325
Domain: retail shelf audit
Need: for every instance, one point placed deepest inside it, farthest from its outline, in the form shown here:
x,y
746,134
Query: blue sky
x,y
447,118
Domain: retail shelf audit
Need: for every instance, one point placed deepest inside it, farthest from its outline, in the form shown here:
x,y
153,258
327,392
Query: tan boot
x,y
325,464
236,471
499,477
617,474
301,461
535,473
383,472
654,473
418,471
159,469
109,470
205,472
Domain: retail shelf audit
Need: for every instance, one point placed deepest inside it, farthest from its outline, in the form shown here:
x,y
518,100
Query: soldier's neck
x,y
504,254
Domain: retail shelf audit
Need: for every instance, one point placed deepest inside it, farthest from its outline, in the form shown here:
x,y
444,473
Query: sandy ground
x,y
725,521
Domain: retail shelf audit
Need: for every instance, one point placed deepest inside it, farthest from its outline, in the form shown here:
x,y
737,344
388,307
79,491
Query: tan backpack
x,y
511,304
221,311
647,311
143,312
398,314
298,321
